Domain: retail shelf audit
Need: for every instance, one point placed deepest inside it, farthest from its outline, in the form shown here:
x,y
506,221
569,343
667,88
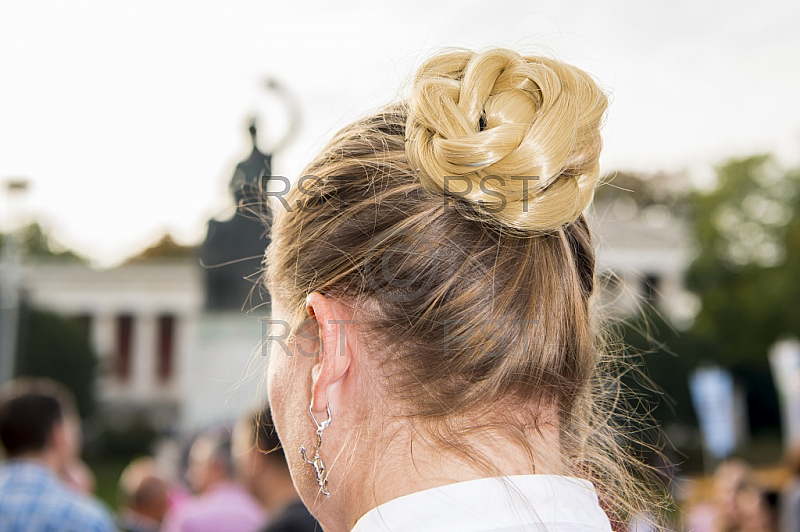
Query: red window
x,y
122,366
166,346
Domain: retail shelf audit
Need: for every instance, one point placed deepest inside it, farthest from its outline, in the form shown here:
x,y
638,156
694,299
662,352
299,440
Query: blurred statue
x,y
233,249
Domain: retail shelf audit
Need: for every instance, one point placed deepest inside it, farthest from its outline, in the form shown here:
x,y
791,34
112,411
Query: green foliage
x,y
107,472
749,256
746,272
58,347
35,243
126,437
667,357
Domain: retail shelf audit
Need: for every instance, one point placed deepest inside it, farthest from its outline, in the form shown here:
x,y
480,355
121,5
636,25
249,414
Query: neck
x,y
47,459
431,465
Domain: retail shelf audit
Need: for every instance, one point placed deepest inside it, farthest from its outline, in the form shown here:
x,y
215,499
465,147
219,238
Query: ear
x,y
334,356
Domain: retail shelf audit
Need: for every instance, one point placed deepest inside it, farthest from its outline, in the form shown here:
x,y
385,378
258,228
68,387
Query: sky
x,y
128,119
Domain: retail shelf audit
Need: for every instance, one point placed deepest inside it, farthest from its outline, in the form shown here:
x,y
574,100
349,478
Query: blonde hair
x,y
479,296
502,115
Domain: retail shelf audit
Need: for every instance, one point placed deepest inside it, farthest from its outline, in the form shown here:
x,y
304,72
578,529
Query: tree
x,y
51,345
36,243
741,273
746,272
58,347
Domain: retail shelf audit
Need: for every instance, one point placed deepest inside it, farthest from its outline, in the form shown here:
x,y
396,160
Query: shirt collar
x,y
492,504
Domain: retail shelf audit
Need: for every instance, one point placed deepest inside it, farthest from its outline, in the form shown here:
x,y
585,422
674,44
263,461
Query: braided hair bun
x,y
516,136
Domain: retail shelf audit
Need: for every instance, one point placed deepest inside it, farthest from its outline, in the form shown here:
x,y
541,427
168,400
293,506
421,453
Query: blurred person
x,y
80,476
40,432
733,495
768,515
438,368
701,517
144,496
759,511
262,467
222,504
789,505
741,505
170,459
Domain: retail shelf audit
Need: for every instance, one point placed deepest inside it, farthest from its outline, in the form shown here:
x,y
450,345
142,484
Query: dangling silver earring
x,y
319,465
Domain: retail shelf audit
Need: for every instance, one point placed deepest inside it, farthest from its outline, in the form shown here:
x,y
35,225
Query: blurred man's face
x,y
204,470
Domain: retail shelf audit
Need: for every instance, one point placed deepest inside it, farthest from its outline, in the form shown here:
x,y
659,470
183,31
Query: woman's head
x,y
444,236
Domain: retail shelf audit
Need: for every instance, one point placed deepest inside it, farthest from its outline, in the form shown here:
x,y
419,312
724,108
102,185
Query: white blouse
x,y
540,503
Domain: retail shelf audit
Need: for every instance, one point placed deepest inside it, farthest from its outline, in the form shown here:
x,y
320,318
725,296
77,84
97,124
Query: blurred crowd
x,y
739,502
236,479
